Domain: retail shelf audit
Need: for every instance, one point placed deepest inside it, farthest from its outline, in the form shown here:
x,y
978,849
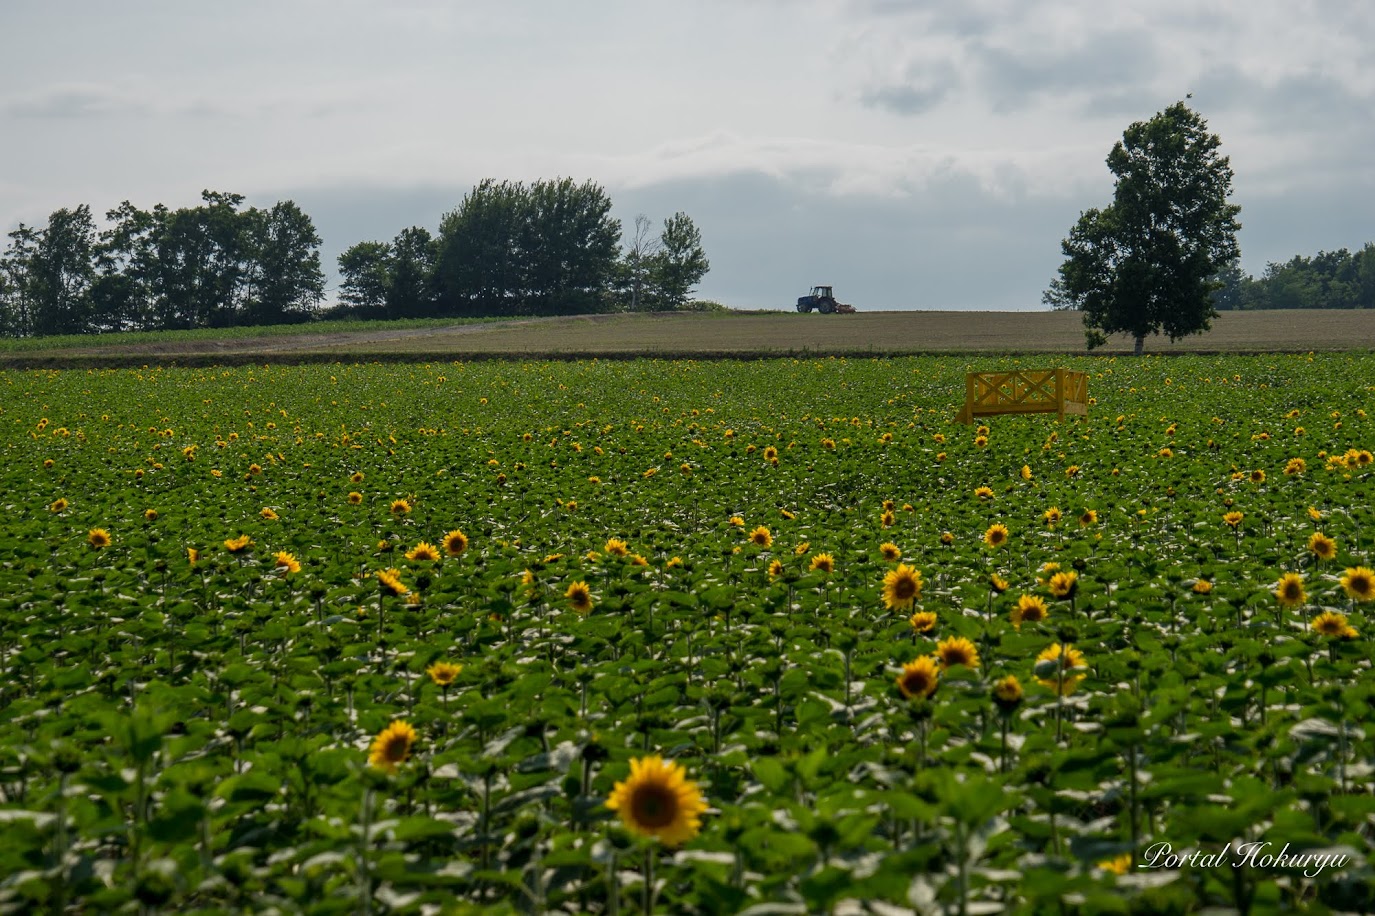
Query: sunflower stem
x,y
364,841
649,879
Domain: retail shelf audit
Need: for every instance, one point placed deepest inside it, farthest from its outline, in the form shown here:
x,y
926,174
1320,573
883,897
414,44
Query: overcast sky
x,y
914,153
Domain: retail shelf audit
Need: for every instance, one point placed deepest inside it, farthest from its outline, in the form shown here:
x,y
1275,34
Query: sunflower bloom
x,y
287,561
890,552
1029,609
901,587
923,621
391,580
455,542
579,597
1322,546
1061,668
1289,591
761,537
424,552
919,678
823,562
58,505
775,569
192,555
1330,623
1064,584
1233,519
99,538
996,535
400,507
443,673
615,547
355,498
1007,693
1051,516
1359,584
392,746
268,514
957,650
658,800
238,544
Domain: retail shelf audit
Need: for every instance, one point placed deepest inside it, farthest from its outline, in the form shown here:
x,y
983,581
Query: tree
x,y
681,262
365,272
480,263
637,264
61,272
282,251
1146,264
410,289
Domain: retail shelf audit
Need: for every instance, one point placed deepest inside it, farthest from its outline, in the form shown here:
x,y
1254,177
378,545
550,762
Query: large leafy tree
x,y
1147,263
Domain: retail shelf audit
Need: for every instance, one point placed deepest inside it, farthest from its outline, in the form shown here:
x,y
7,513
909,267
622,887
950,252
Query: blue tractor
x,y
823,301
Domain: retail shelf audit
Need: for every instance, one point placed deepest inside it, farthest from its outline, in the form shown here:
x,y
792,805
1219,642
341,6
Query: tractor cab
x,y
821,292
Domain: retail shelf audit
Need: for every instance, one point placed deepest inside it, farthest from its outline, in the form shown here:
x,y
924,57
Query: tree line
x,y
1330,280
211,266
547,248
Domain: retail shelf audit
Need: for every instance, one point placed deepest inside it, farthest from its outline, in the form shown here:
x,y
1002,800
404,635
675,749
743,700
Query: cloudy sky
x,y
914,153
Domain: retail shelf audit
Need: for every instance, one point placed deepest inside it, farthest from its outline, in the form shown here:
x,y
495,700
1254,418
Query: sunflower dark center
x,y
916,681
397,748
654,806
905,587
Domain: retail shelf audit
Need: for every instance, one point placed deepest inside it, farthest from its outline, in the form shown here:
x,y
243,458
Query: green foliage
x,y
1146,264
215,265
511,249
193,737
1330,280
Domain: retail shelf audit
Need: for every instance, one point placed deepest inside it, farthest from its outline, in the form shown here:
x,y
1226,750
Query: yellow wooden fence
x,y
1057,391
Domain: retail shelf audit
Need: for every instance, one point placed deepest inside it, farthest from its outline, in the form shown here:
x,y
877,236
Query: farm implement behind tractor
x,y
822,300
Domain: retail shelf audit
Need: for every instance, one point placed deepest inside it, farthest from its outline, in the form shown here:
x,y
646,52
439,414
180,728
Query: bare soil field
x,y
741,335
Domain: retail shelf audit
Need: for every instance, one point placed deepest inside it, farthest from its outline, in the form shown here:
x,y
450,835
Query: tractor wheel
x,y
827,306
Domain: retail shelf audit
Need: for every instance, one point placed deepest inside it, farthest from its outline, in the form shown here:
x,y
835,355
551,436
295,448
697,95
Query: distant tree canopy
x,y
215,265
548,248
1330,280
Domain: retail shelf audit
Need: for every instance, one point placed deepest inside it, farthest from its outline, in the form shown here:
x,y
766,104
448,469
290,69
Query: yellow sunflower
x,y
392,746
391,579
99,538
356,477
355,498
1064,584
890,552
956,650
1359,583
919,677
658,800
424,552
235,545
1007,693
1289,590
58,505
455,542
923,621
887,519
1061,668
1052,516
268,514
287,561
1233,519
1089,517
579,597
1330,623
616,547
996,535
192,555
761,537
983,492
1322,546
1029,609
400,507
775,569
901,587
444,673
823,562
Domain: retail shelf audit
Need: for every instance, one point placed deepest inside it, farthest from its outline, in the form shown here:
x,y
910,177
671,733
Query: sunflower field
x,y
688,637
